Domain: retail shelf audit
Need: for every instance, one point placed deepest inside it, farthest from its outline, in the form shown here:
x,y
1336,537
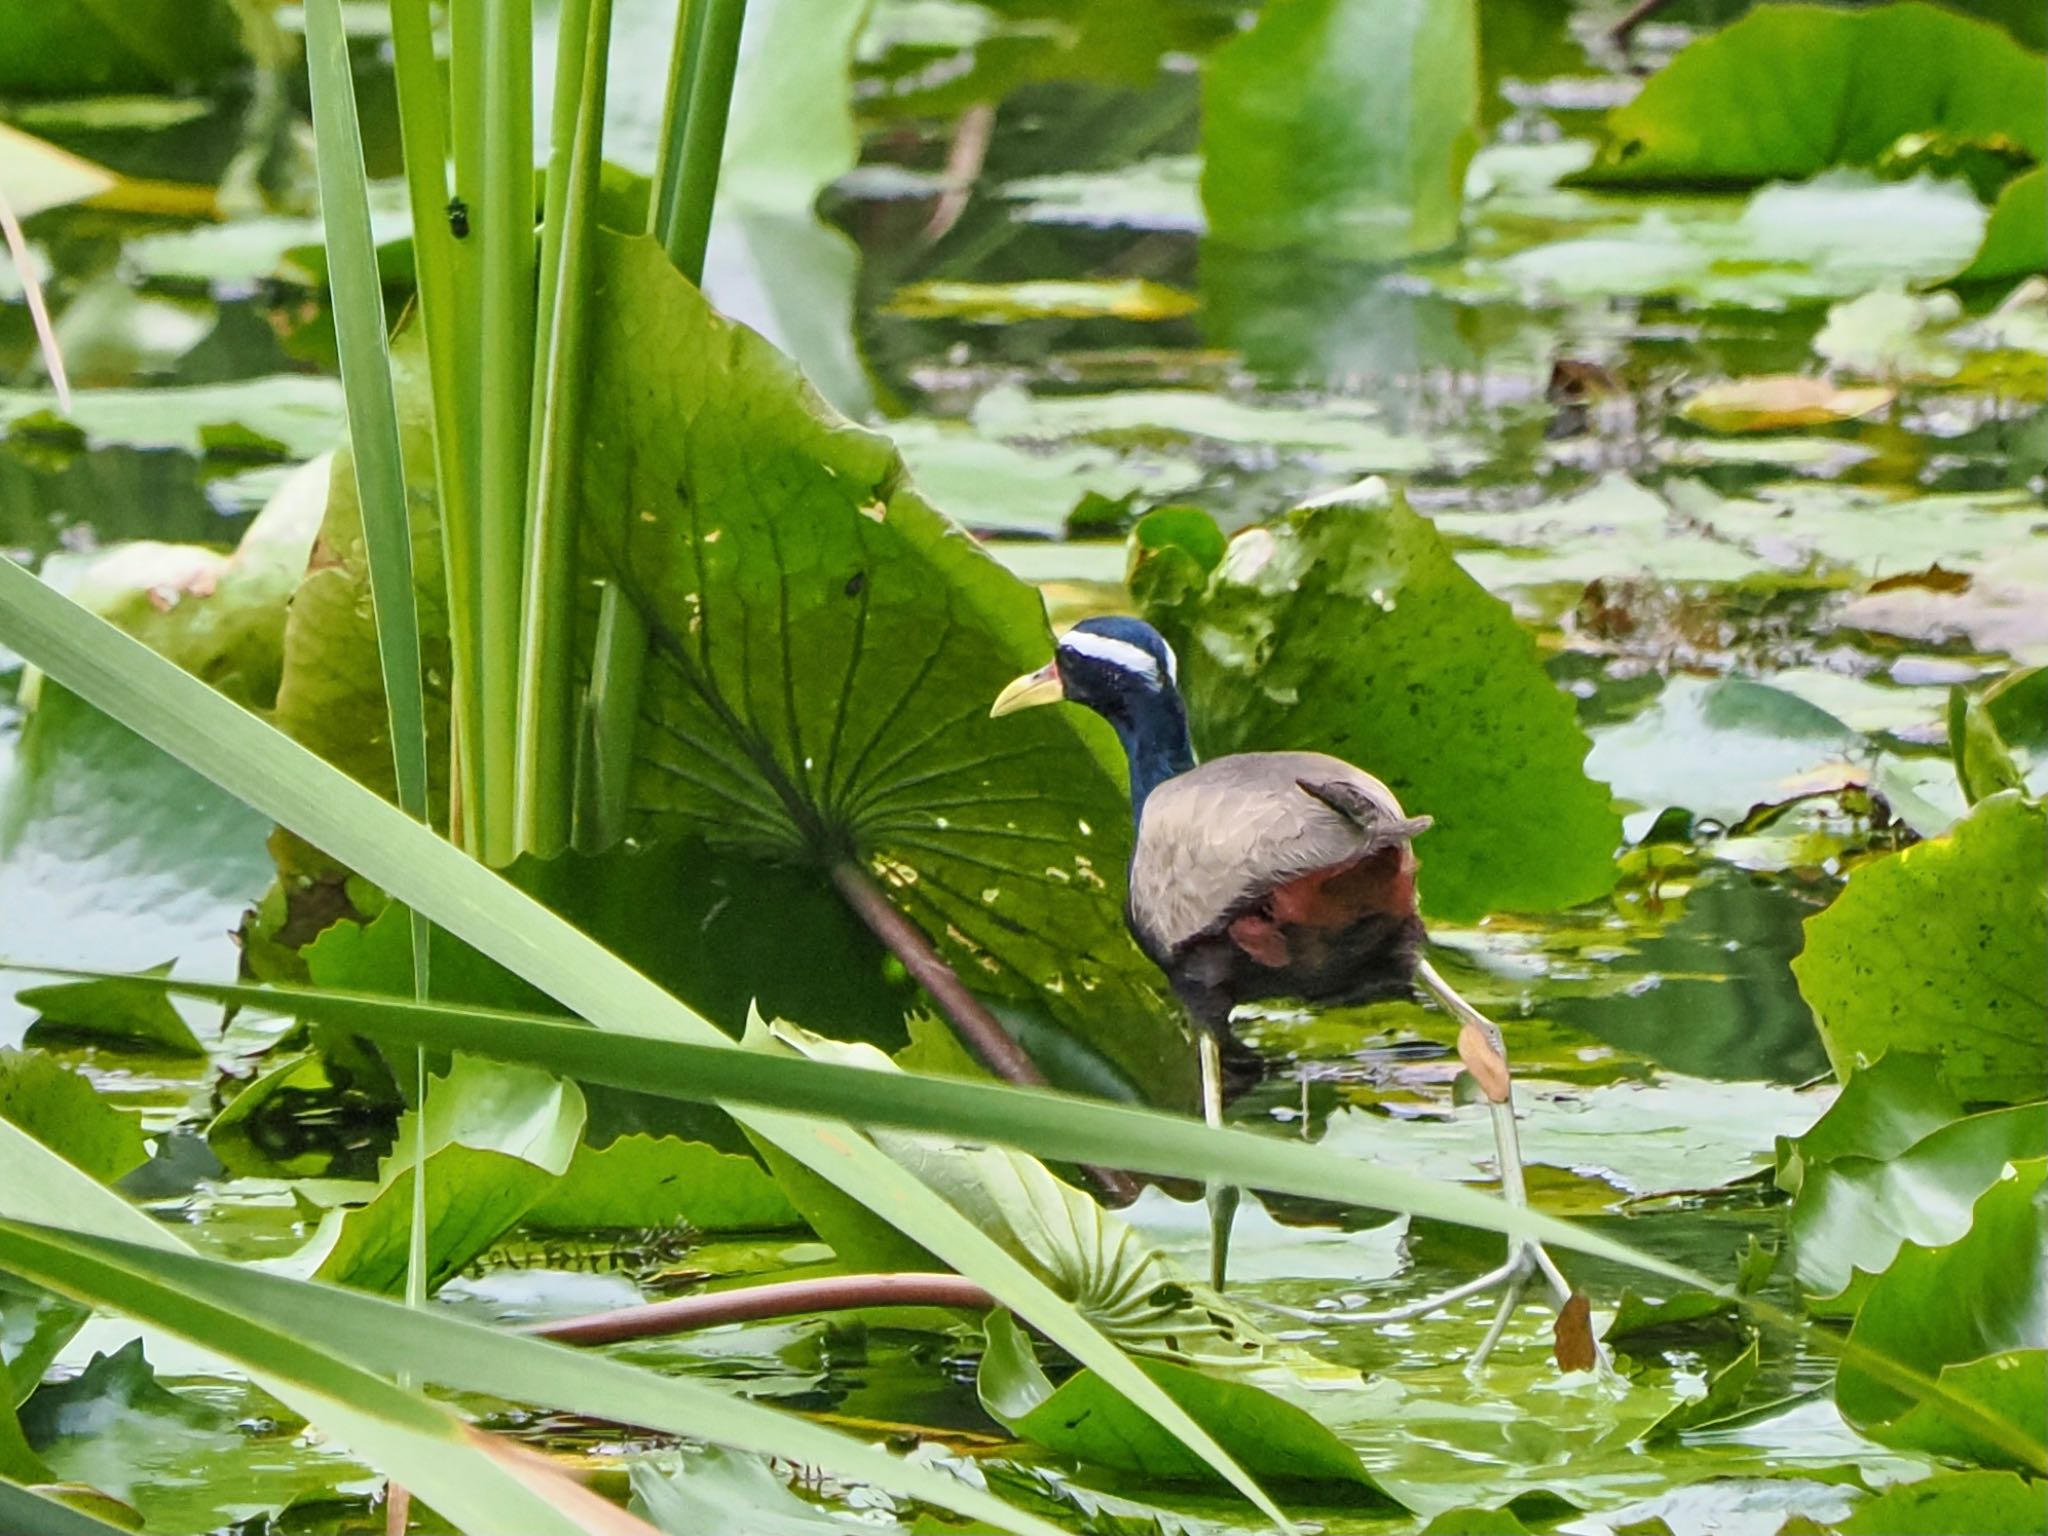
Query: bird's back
x,y
1276,873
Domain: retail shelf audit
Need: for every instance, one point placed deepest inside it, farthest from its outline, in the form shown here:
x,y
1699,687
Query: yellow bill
x,y
1040,687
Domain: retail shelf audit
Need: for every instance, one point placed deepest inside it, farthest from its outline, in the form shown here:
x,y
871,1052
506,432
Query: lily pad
x,y
112,856
1066,299
1975,1312
2016,239
1791,90
1982,1503
1641,1139
110,1013
62,1110
1835,236
1273,1439
288,416
824,649
1722,748
658,1181
1937,950
496,1138
1781,402
1349,628
715,1489
1342,126
71,47
114,1424
1853,1212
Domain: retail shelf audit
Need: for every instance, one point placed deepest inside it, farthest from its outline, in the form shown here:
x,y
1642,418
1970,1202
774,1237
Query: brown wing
x,y
1294,834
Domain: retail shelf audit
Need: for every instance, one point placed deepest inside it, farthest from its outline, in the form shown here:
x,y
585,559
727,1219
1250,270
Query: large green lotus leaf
x,y
825,648
1272,1438
713,926
84,47
1886,1108
62,1110
1350,629
1982,1503
1853,1212
1342,126
1791,90
1937,950
1091,1256
1895,1158
659,1181
2016,239
496,1138
1721,748
1976,1313
114,857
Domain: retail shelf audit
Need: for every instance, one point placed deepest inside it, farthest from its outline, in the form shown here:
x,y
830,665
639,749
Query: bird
x,y
1264,875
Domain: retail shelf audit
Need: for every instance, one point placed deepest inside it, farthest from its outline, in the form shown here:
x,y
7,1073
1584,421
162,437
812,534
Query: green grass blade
x,y
382,1336
503,231
366,383
377,460
611,718
703,135
547,715
24,1512
274,774
675,117
422,118
1065,1127
424,1446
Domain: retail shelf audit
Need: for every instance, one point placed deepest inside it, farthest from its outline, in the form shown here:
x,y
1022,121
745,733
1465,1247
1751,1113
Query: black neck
x,y
1155,739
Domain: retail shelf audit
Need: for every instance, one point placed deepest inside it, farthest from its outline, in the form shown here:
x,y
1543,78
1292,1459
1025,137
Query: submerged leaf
x,y
1349,629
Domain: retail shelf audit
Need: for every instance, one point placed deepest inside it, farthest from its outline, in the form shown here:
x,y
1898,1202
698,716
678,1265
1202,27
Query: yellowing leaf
x,y
1780,401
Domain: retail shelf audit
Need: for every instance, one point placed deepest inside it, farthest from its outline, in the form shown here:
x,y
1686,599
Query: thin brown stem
x,y
1639,13
786,1298
981,1030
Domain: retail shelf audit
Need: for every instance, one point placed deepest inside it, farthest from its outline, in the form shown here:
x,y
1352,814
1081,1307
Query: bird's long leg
x,y
1484,1054
1222,1197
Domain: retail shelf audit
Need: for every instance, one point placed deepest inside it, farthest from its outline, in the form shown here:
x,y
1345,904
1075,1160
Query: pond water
x,y
1047,336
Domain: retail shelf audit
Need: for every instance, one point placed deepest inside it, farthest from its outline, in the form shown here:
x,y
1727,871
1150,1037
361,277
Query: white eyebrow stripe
x,y
1118,653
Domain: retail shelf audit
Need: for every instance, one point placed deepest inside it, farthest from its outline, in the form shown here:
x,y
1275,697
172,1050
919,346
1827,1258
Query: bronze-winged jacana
x,y
1269,875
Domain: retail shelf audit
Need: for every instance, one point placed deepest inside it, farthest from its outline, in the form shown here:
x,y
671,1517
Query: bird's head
x,y
1120,668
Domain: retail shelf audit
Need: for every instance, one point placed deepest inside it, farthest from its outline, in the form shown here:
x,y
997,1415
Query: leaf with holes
x,y
825,650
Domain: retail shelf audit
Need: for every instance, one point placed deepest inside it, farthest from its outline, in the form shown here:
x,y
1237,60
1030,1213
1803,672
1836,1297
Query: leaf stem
x,y
604,768
784,1298
982,1031
504,231
547,719
716,46
422,113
